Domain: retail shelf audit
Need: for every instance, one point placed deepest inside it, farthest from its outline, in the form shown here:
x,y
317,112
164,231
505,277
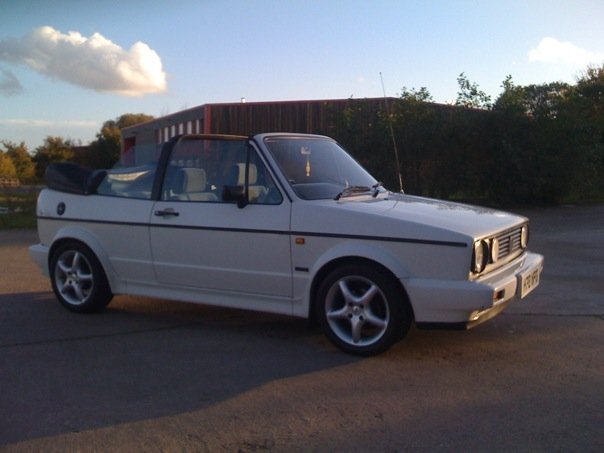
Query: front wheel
x,y
78,279
362,310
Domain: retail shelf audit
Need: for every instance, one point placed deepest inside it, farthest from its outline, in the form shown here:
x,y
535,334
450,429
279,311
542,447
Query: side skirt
x,y
243,301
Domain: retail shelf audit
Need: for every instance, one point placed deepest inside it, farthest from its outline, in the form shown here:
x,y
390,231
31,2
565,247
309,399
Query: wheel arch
x,y
88,240
333,264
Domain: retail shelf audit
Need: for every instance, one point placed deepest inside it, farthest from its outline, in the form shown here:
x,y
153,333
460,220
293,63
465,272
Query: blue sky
x,y
95,60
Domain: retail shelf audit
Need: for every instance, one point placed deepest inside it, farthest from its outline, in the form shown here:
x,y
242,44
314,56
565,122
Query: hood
x,y
475,221
399,215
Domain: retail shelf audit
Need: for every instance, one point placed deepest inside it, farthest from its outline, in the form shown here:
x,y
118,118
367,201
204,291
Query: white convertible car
x,y
282,223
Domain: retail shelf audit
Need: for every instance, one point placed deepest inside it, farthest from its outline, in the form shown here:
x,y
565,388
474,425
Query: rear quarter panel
x,y
116,229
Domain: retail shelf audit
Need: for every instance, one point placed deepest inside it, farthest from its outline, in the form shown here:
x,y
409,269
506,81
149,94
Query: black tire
x,y
362,309
78,279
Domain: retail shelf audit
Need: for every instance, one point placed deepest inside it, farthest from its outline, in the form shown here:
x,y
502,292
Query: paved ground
x,y
151,375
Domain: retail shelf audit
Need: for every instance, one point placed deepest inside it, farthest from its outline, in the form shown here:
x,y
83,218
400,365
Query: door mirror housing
x,y
235,194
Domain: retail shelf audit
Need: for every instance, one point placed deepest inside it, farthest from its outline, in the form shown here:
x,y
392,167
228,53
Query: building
x,y
244,118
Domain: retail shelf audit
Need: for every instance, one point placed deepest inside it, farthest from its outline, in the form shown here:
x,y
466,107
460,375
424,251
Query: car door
x,y
204,237
121,208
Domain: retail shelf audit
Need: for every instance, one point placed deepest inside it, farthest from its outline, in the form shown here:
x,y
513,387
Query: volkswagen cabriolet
x,y
281,223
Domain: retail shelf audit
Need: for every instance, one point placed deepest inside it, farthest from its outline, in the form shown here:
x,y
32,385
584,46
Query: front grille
x,y
510,247
509,242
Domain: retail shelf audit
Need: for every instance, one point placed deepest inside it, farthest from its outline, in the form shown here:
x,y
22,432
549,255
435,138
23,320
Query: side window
x,y
191,171
261,188
131,182
200,170
133,178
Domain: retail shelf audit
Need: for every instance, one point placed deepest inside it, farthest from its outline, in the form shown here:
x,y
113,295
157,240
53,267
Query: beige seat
x,y
237,178
191,185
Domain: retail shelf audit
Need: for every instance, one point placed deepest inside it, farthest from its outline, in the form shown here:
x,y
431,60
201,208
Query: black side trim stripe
x,y
102,222
380,238
275,232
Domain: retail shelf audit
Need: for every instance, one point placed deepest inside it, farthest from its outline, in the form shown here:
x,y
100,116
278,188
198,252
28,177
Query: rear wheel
x,y
78,279
362,310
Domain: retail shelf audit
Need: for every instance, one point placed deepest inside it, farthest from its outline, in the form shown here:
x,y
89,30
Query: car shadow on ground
x,y
144,359
140,358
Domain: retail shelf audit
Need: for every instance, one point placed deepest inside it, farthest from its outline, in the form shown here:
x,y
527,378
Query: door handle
x,y
166,213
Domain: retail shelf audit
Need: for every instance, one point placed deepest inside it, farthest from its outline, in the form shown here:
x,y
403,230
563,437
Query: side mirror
x,y
235,194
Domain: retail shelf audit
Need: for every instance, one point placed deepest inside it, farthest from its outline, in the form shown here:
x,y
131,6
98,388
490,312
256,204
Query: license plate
x,y
529,281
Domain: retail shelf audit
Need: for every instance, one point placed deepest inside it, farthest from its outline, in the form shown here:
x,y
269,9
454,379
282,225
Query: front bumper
x,y
452,304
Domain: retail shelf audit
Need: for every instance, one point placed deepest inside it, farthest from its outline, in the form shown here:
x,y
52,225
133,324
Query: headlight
x,y
480,256
524,236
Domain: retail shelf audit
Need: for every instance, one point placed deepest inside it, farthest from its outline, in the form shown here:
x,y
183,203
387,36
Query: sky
x,y
67,66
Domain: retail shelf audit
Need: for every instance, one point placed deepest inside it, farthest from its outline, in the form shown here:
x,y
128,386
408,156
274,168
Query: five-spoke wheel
x,y
362,310
78,279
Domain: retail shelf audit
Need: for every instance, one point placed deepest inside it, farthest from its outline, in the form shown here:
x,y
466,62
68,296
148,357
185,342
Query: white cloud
x,y
47,123
94,62
550,50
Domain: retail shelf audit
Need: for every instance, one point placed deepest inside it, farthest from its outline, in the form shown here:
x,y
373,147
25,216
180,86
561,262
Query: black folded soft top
x,y
73,178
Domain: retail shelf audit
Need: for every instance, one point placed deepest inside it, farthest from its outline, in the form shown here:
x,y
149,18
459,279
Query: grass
x,y
18,207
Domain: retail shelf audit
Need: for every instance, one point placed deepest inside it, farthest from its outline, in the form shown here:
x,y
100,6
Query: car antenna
x,y
398,165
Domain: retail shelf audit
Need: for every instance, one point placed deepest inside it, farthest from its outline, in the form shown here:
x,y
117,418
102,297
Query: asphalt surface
x,y
153,375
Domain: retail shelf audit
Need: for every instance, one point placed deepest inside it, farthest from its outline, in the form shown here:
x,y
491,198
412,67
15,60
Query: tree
x,y
360,124
105,150
416,126
413,95
22,160
586,108
54,149
544,140
511,98
470,96
7,168
546,100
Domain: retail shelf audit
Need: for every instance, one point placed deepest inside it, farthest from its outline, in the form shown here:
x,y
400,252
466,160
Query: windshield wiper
x,y
353,190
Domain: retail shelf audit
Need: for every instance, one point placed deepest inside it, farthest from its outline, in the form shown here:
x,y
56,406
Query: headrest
x,y
191,180
238,172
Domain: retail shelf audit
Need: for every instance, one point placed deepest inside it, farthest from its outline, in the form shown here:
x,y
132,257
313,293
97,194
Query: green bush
x,y
18,207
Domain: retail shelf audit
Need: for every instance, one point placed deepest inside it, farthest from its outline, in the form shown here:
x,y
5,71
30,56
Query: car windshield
x,y
318,168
